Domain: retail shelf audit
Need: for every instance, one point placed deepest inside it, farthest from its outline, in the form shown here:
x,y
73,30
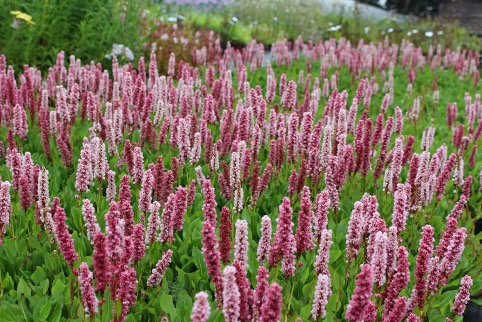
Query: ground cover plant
x,y
338,181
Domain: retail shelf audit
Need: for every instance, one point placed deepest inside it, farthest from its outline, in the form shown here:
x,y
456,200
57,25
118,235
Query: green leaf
x,y
58,288
166,305
10,312
7,282
334,255
38,276
477,300
45,310
42,309
184,303
435,315
45,286
118,308
56,315
198,259
23,289
195,277
307,290
305,312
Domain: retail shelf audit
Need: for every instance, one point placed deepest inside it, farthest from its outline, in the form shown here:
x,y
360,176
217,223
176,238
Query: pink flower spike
x,y
419,292
89,300
115,233
145,195
398,282
452,255
111,187
245,293
399,216
458,208
196,149
167,233
399,120
25,196
172,64
65,240
463,296
370,313
127,291
444,176
261,287
241,245
153,223
20,126
263,244
283,233
201,309
466,188
322,205
231,295
361,296
90,219
322,295
99,159
354,235
398,312
180,208
379,258
100,262
271,309
158,273
212,258
304,233
209,205
5,208
139,245
321,262
137,165
225,229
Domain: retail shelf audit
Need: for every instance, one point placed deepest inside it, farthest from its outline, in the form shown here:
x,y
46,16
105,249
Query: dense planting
x,y
336,181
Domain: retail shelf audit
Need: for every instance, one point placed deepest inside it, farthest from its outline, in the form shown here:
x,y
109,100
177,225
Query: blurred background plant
x,y
268,21
35,31
87,29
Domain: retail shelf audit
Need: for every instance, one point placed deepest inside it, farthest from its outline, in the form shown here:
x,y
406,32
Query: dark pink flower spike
x,y
419,292
271,309
360,299
304,232
65,240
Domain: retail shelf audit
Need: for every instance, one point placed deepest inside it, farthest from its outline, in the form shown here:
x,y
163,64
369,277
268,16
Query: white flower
x,y
129,54
119,49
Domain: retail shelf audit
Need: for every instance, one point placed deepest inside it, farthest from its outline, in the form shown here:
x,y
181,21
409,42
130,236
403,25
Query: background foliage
x,y
84,28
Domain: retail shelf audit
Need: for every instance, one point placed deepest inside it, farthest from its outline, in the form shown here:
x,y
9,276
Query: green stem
x,y
232,228
289,301
99,197
276,274
80,207
101,305
72,290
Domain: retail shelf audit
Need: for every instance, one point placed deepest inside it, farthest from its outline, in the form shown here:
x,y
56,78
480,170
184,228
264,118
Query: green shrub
x,y
84,28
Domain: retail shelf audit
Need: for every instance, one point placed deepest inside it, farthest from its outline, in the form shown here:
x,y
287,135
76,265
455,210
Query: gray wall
x,y
468,13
